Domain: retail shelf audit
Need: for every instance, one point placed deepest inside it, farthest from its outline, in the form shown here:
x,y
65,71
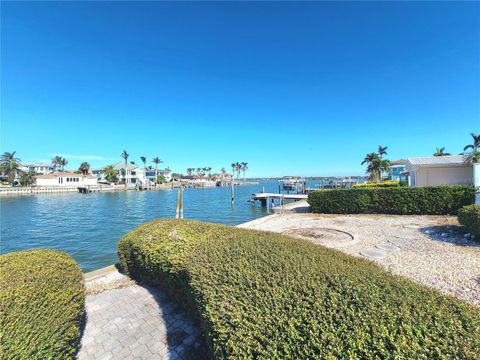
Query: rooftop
x,y
451,160
65,174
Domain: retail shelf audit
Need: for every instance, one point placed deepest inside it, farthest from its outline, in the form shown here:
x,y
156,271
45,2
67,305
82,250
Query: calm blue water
x,y
88,226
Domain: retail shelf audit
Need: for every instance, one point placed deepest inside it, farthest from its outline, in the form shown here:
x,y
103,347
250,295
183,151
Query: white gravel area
x,y
431,250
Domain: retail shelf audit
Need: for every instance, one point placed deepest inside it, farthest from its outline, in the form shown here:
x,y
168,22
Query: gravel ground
x,y
431,250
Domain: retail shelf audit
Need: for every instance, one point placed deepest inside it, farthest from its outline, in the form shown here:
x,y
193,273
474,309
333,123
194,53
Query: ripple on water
x,y
88,227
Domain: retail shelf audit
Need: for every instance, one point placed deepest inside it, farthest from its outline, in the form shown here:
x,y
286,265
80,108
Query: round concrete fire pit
x,y
323,236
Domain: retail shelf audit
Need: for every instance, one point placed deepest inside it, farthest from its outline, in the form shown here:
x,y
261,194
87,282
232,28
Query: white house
x,y
66,179
438,170
134,174
37,167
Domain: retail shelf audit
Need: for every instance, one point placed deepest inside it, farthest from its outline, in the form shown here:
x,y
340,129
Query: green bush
x,y
470,217
42,299
383,184
432,200
267,296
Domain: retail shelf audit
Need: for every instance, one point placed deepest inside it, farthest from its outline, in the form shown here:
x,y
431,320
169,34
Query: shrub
x,y
432,200
267,296
470,217
42,298
383,184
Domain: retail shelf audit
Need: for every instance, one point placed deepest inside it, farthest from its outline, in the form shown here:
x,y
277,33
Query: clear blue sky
x,y
291,88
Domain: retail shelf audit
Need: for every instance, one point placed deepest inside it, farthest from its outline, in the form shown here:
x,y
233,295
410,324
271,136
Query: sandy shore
x,y
431,250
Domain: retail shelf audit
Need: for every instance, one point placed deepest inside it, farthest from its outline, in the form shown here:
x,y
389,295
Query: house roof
x,y
432,161
398,162
36,164
121,166
65,174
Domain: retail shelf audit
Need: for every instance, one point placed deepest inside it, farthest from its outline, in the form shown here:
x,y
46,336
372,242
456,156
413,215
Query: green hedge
x,y
432,200
470,217
267,296
42,299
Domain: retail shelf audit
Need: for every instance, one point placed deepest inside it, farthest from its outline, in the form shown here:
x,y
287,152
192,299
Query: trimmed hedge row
x,y
470,217
267,296
433,200
42,298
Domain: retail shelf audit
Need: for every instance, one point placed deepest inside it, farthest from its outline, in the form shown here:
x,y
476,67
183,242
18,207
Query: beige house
x,y
66,179
439,170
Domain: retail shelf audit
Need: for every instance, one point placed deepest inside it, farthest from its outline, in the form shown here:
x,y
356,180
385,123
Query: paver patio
x,y
127,321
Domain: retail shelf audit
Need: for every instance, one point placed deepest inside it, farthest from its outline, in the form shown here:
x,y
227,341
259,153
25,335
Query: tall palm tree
x,y
125,156
373,162
156,161
199,171
64,163
9,156
57,162
84,168
440,152
234,169
476,143
239,168
144,160
473,157
244,167
190,171
382,150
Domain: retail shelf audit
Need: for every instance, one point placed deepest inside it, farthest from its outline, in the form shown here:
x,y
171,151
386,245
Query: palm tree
x,y
84,168
199,171
56,162
144,160
125,156
239,168
190,171
441,152
63,162
11,169
28,178
234,168
382,150
476,143
473,157
244,167
207,169
156,161
110,174
9,156
373,162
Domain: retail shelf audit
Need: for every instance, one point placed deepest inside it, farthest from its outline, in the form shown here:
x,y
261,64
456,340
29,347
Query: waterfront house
x,y
438,170
134,174
397,167
67,178
166,173
37,167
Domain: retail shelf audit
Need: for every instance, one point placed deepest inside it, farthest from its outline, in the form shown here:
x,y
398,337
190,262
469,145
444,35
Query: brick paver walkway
x,y
137,322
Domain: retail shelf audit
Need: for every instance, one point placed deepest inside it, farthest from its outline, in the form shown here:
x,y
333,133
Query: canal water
x,y
88,226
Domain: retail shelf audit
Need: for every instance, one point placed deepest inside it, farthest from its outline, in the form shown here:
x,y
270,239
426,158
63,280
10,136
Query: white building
x,y
134,174
38,168
439,170
66,179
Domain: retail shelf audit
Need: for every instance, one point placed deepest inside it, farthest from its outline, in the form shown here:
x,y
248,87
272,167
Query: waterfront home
x,y
166,173
67,178
438,170
134,174
397,167
37,167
